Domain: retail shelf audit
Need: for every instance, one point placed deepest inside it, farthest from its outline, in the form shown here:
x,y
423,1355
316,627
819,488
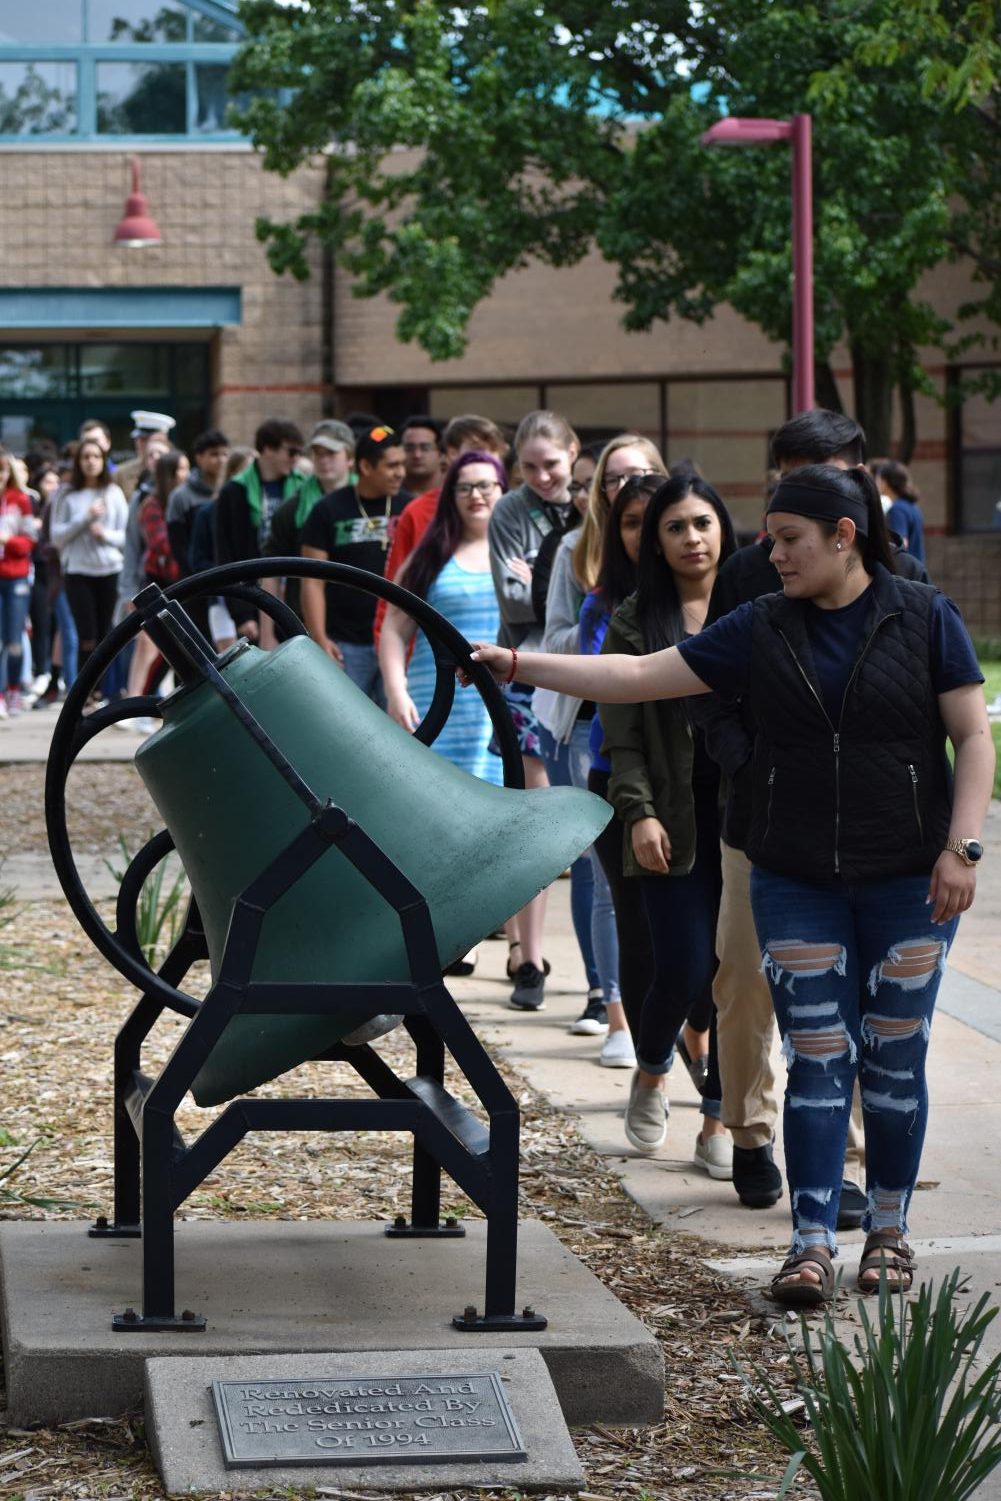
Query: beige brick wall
x,y
60,212
544,324
968,569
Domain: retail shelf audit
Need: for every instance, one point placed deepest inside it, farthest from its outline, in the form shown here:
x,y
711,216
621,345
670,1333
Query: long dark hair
x,y
617,575
165,475
78,480
445,532
897,476
854,485
658,603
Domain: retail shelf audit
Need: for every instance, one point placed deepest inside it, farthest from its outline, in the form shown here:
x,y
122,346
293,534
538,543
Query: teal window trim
x,y
87,55
217,10
24,309
122,52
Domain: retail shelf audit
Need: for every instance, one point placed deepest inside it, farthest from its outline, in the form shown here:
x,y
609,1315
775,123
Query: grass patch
x,y
992,687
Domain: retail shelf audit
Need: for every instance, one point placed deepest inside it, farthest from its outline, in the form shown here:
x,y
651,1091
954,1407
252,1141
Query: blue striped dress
x,y
469,602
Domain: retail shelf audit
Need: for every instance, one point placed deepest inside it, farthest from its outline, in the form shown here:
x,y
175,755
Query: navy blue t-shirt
x,y
721,654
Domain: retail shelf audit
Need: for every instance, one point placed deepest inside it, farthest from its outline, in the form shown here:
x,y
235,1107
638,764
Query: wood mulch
x,y
60,1006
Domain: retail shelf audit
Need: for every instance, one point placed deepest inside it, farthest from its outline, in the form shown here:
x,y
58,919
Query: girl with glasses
x,y
450,568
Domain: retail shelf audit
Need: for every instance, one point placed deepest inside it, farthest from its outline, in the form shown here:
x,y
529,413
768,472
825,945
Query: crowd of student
x,y
562,553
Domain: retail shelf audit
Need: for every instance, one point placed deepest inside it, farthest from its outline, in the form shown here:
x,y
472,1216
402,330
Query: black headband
x,y
819,503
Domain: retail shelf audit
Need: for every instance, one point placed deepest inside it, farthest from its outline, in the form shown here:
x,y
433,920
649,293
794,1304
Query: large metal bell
x,y
477,853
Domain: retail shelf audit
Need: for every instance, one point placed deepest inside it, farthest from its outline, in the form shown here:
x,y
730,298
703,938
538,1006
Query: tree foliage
x,y
539,131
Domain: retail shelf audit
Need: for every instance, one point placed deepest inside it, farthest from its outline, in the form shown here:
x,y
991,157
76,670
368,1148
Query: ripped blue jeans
x,y
854,972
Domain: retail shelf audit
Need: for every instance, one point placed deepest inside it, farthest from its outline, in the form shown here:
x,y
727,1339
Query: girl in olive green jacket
x,y
665,789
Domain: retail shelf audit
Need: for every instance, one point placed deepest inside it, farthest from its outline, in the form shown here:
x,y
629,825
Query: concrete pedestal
x,y
283,1288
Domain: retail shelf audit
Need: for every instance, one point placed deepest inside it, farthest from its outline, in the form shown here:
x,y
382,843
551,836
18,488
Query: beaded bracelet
x,y
514,665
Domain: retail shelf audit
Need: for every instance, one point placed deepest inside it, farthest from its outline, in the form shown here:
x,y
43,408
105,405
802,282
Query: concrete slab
x,y
282,1286
183,1433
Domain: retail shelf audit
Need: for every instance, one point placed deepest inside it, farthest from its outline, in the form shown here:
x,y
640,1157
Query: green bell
x,y
476,852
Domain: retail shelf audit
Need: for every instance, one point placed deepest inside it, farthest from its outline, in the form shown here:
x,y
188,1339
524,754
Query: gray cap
x,y
332,434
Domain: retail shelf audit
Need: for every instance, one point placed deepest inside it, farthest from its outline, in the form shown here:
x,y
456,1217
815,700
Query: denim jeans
x,y
854,972
362,666
67,636
632,931
558,760
14,598
604,933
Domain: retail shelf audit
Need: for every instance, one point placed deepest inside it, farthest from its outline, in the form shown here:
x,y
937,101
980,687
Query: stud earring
x,y
840,546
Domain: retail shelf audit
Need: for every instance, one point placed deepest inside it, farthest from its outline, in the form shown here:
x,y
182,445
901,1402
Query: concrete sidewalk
x,y
26,739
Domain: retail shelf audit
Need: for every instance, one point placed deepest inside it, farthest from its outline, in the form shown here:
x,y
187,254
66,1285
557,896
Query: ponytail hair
x,y
897,477
876,547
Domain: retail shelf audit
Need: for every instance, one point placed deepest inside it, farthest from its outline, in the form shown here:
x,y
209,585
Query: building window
x,y
148,69
56,20
136,21
979,461
599,413
47,390
38,99
136,99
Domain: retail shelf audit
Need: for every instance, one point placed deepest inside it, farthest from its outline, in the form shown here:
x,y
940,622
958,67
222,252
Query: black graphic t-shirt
x,y
358,532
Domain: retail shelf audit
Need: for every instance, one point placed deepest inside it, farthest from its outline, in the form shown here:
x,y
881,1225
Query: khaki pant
x,y
745,1023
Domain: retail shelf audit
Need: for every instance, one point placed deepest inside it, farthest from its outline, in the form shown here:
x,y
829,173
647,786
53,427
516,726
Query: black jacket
x,y
728,725
866,796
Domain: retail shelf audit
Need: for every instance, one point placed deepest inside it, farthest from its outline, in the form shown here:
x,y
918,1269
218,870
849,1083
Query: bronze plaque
x,y
366,1420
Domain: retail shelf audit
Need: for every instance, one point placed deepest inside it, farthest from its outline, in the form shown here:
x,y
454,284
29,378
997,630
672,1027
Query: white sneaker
x,y
3,708
140,726
618,1050
40,684
715,1154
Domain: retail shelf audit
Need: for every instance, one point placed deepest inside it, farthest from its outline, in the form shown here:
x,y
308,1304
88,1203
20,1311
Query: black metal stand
x,y
155,1169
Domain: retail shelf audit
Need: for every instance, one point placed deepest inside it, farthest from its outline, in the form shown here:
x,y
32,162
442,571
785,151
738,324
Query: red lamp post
x,y
736,131
137,227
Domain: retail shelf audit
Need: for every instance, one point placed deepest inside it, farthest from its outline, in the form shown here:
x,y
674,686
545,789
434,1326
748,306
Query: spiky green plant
x,y
9,1195
907,1414
160,909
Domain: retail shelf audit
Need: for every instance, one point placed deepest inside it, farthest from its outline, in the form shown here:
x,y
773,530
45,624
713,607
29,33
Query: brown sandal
x,y
887,1248
798,1294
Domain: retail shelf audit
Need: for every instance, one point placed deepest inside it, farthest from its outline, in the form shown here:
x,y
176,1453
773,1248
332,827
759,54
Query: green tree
x,y
35,107
538,131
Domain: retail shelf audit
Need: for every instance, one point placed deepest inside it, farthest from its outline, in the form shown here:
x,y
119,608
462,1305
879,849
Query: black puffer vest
x,y
868,797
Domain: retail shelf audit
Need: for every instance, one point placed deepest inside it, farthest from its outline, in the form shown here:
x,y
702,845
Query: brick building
x,y
200,326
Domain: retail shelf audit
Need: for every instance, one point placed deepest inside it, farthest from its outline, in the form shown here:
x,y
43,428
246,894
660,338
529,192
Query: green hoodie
x,y
651,750
250,480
